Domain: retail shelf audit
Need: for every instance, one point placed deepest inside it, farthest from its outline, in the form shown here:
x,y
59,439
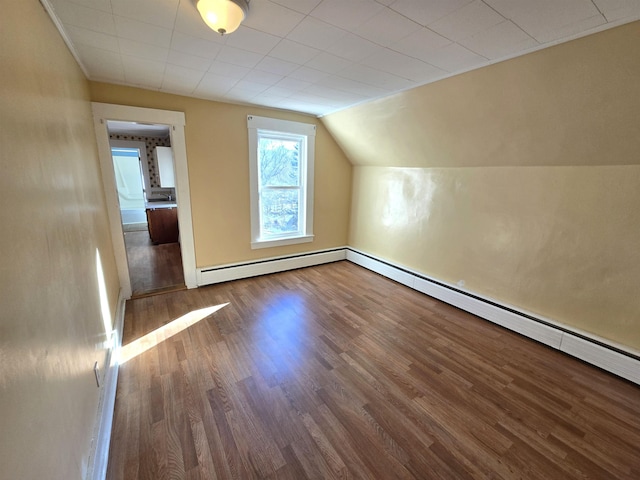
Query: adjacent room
x,y
145,181
320,239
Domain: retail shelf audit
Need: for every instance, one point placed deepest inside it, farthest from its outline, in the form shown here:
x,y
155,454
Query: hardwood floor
x,y
153,268
336,372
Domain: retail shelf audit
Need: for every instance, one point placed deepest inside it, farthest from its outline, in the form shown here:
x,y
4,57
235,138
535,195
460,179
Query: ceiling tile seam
x,y
513,21
195,89
564,39
166,62
494,9
458,10
297,43
417,83
390,7
349,32
320,52
390,47
318,6
523,30
209,61
489,60
81,4
129,19
338,74
250,69
281,6
173,31
544,43
220,95
361,83
365,39
305,91
215,59
595,5
506,19
286,37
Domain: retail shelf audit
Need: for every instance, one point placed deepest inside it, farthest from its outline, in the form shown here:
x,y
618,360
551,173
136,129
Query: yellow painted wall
x,y
218,162
53,222
520,179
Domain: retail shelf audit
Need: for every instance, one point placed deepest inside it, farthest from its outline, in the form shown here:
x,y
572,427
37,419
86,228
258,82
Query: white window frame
x,y
256,126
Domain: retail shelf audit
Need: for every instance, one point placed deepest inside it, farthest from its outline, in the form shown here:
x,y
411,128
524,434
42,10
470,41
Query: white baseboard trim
x,y
100,447
602,356
616,359
236,271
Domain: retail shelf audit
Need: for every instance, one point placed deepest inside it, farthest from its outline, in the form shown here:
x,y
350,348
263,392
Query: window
x,y
281,155
129,180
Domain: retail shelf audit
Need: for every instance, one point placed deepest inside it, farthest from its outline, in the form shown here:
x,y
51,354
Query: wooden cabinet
x,y
163,224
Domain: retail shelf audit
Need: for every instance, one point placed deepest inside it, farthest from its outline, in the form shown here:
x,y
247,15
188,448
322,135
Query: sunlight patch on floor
x,y
161,334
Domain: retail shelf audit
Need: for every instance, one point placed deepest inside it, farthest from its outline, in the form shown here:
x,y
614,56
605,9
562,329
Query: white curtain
x,y
128,181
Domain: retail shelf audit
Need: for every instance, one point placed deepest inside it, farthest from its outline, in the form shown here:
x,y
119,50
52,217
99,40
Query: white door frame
x,y
176,122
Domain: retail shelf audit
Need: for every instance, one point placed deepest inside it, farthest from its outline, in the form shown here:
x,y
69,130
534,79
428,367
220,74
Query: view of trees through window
x,y
279,171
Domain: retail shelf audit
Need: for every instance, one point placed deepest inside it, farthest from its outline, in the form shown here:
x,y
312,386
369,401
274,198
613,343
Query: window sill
x,y
278,242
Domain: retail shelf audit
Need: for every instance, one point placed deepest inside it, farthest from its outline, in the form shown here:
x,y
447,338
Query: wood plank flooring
x,y
153,268
334,372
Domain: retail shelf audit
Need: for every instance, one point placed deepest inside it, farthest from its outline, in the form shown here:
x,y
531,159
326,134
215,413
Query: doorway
x,y
155,265
107,120
148,210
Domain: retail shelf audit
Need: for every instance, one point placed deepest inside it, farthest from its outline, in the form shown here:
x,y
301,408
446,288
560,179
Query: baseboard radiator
x,y
616,359
99,455
596,351
235,271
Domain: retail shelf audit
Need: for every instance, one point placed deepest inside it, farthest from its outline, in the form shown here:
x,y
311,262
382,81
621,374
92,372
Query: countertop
x,y
163,204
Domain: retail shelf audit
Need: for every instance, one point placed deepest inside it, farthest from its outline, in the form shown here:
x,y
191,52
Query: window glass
x,y
279,162
281,168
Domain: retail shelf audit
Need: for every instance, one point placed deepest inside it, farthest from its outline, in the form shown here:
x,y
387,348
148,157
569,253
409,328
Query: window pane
x,y
279,162
279,211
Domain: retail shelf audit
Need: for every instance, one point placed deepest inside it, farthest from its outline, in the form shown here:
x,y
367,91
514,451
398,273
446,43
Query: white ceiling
x,y
316,56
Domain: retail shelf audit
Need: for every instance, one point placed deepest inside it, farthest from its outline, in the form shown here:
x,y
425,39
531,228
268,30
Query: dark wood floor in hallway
x,y
153,268
335,372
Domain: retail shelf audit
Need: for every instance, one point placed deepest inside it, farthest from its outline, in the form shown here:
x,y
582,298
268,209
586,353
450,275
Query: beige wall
x,y
218,161
520,179
53,223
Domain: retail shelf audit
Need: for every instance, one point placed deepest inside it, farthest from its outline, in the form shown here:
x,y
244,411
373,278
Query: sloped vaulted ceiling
x,y
572,104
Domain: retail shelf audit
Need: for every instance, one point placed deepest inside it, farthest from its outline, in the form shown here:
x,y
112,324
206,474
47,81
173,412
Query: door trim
x,y
176,121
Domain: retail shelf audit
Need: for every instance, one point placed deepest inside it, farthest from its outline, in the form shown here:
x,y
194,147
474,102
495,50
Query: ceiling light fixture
x,y
223,16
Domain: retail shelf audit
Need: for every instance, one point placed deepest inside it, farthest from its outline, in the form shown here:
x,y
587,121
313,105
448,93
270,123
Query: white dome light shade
x,y
223,16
